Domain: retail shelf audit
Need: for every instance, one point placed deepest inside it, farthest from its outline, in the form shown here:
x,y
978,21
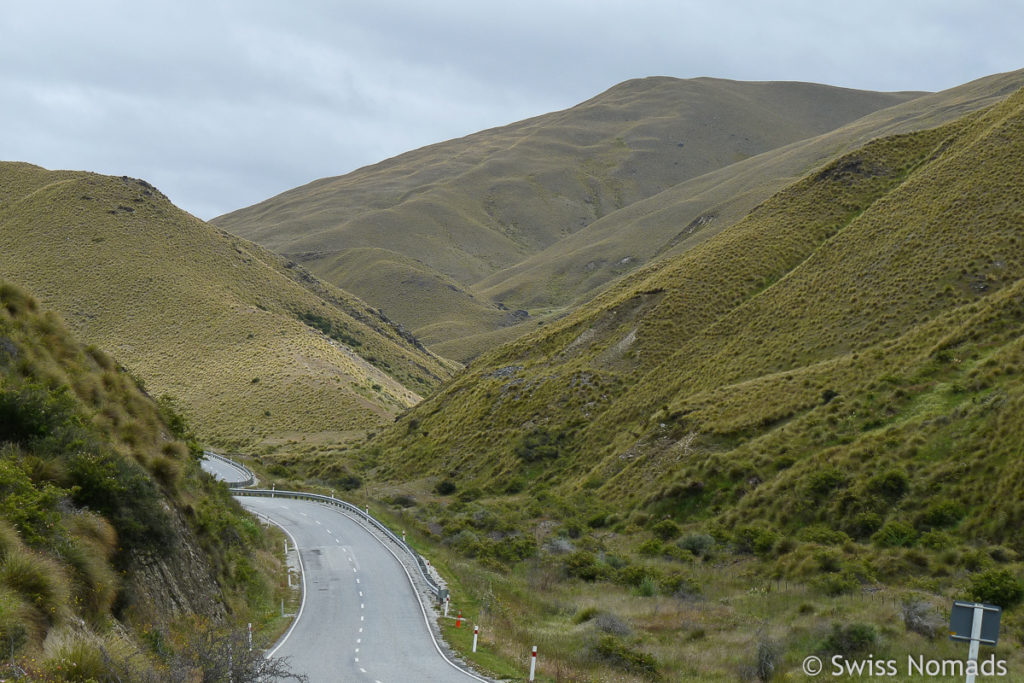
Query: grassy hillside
x,y
113,543
688,213
253,346
459,211
741,449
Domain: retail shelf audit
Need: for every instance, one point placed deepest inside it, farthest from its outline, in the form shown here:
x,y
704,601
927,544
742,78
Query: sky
x,y
224,103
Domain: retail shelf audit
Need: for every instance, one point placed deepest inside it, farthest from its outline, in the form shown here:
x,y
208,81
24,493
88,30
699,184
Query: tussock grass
x,y
414,235
107,524
197,314
826,394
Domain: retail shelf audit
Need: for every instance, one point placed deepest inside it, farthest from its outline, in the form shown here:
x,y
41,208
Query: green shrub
x,y
632,575
895,535
445,487
650,547
891,484
616,653
583,564
942,514
863,524
698,544
838,583
121,492
679,585
755,539
823,482
997,587
821,533
936,540
850,639
666,530
514,548
31,508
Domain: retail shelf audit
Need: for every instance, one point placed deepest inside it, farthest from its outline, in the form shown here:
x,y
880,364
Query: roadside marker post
x,y
476,634
981,621
533,662
250,636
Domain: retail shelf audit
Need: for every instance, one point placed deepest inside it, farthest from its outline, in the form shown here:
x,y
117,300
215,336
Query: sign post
x,y
976,623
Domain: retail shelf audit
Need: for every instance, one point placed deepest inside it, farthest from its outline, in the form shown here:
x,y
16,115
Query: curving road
x,y
360,619
224,471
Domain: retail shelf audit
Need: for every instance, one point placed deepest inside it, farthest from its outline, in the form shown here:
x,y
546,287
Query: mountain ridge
x,y
466,208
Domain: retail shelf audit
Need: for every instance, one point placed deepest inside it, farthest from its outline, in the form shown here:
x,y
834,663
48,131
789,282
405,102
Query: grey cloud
x,y
222,104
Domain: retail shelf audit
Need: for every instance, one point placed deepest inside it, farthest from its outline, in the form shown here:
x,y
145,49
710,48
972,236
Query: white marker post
x,y
533,662
972,653
250,636
446,601
982,621
476,633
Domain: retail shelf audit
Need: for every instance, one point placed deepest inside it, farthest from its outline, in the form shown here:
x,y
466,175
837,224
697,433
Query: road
x,y
360,619
224,471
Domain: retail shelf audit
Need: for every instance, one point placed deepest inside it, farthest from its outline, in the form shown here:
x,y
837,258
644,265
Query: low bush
x,y
616,653
666,530
698,544
850,639
895,535
997,587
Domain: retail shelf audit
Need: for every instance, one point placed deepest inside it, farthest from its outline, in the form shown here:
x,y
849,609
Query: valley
x,y
690,381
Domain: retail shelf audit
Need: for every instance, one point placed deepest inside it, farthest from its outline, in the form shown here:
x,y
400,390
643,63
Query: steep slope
x,y
686,214
467,208
813,416
842,314
109,531
252,345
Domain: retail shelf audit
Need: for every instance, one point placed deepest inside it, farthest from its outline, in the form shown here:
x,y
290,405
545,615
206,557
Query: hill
x,y
818,404
676,219
442,218
113,543
252,345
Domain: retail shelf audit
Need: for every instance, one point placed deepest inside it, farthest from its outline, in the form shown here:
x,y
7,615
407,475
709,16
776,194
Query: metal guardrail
x,y
237,465
240,488
370,519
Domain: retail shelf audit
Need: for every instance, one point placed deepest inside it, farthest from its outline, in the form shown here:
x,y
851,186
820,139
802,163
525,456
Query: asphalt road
x,y
360,619
224,471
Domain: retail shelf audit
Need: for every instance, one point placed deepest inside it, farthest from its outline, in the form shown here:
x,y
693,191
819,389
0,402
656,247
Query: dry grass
x,y
830,389
208,318
461,211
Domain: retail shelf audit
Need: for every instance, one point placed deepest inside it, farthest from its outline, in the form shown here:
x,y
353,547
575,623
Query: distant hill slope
x,y
866,320
686,214
459,211
252,345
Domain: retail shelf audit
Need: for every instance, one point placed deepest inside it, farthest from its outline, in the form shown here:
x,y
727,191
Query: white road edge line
x,y
302,604
423,610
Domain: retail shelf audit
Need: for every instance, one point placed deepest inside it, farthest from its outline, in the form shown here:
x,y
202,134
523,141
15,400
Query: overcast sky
x,y
222,104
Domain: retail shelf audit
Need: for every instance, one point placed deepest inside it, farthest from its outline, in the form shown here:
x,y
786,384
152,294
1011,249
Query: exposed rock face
x,y
179,581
